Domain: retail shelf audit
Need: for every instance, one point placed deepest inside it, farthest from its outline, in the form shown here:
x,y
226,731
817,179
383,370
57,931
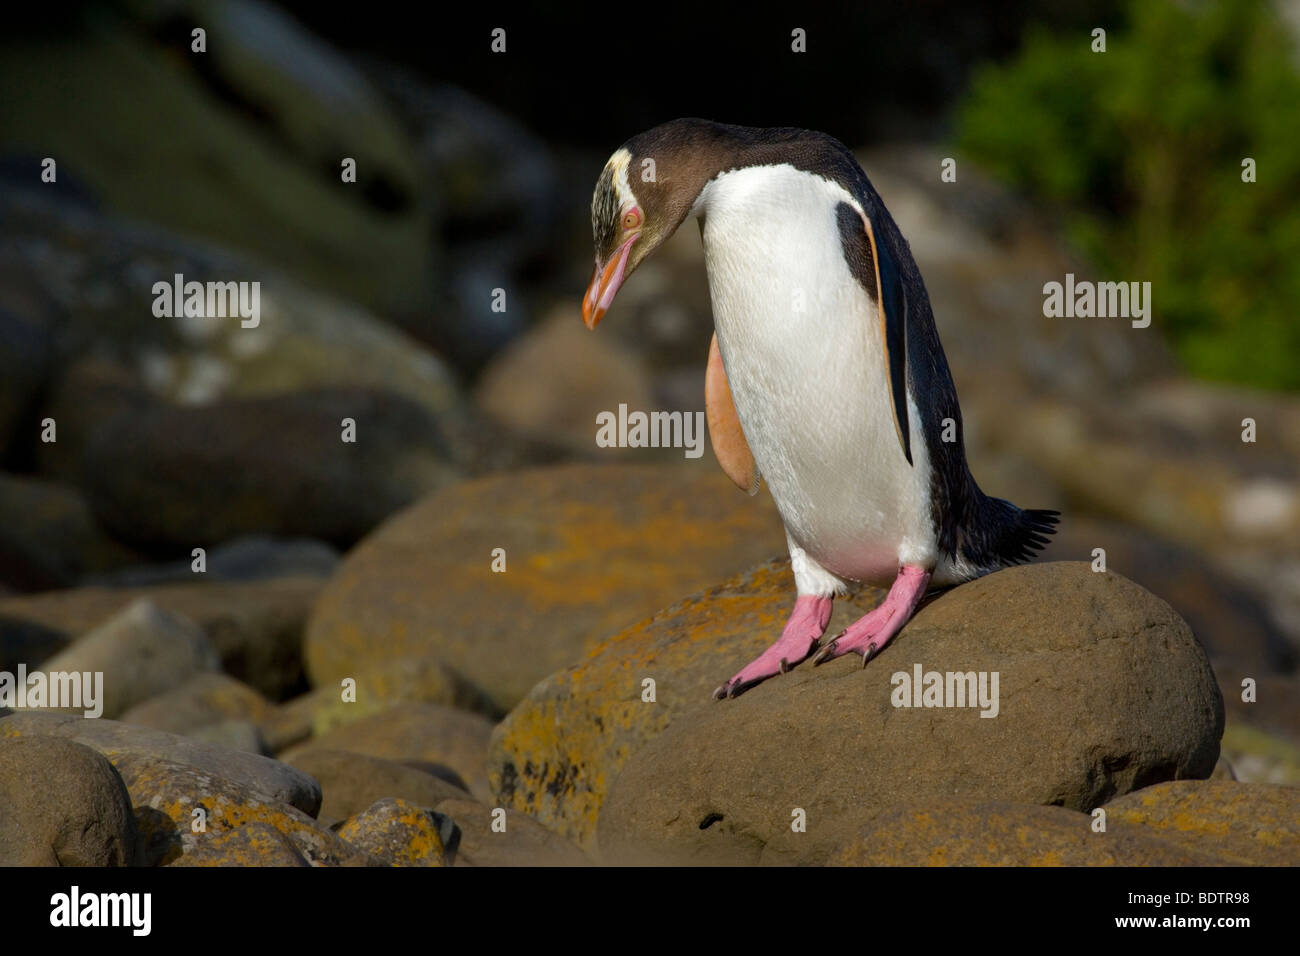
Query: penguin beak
x,y
605,284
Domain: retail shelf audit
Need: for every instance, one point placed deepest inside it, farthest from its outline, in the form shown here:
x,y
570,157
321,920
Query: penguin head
x,y
644,193
621,233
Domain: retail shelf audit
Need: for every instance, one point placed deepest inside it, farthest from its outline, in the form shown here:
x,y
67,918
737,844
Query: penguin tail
x,y
1005,535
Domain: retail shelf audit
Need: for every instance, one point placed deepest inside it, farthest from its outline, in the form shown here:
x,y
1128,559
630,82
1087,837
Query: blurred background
x,y
474,174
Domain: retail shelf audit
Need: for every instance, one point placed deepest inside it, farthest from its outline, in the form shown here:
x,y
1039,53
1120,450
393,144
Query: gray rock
x,y
62,804
136,752
234,735
142,650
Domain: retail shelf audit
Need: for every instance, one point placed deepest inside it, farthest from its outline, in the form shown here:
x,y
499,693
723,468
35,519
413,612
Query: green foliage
x,y
1141,149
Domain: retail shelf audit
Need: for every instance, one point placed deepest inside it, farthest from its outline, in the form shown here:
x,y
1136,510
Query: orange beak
x,y
605,284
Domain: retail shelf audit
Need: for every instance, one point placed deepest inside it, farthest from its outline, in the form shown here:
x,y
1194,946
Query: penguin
x,y
825,376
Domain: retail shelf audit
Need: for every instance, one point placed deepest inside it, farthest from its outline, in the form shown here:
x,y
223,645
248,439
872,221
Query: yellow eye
x,y
631,219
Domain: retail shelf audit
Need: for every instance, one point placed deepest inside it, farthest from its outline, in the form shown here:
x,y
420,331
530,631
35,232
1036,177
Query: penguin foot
x,y
802,631
869,634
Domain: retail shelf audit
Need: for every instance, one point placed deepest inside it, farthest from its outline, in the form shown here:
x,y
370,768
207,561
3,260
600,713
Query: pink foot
x,y
807,622
871,632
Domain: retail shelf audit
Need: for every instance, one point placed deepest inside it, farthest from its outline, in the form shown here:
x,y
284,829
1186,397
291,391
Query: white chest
x,y
801,344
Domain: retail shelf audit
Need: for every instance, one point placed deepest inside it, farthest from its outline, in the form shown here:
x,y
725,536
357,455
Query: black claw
x,y
785,668
720,693
869,653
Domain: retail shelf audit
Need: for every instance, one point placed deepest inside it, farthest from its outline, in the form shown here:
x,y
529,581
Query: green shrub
x,y
1140,148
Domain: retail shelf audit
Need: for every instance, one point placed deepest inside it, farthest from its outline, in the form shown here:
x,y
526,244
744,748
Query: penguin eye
x,y
631,219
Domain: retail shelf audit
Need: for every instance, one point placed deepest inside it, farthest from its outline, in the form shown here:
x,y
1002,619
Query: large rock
x,y
136,752
255,626
1102,689
1249,823
556,754
180,477
63,805
964,832
589,549
142,650
428,733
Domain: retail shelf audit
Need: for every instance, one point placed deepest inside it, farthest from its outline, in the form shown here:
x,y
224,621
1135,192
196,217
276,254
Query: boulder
x,y
143,650
1101,689
63,805
396,833
588,549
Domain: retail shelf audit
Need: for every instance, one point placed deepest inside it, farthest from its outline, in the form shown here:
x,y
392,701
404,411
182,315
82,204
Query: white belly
x,y
800,341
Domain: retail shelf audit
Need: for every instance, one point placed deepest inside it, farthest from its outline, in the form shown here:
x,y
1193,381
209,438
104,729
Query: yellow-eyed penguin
x,y
825,375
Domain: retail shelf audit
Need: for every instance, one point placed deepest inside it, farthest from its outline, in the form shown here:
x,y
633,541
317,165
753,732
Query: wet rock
x,y
588,549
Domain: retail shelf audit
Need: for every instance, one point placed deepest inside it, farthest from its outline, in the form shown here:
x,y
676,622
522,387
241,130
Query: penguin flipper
x,y
891,299
725,433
